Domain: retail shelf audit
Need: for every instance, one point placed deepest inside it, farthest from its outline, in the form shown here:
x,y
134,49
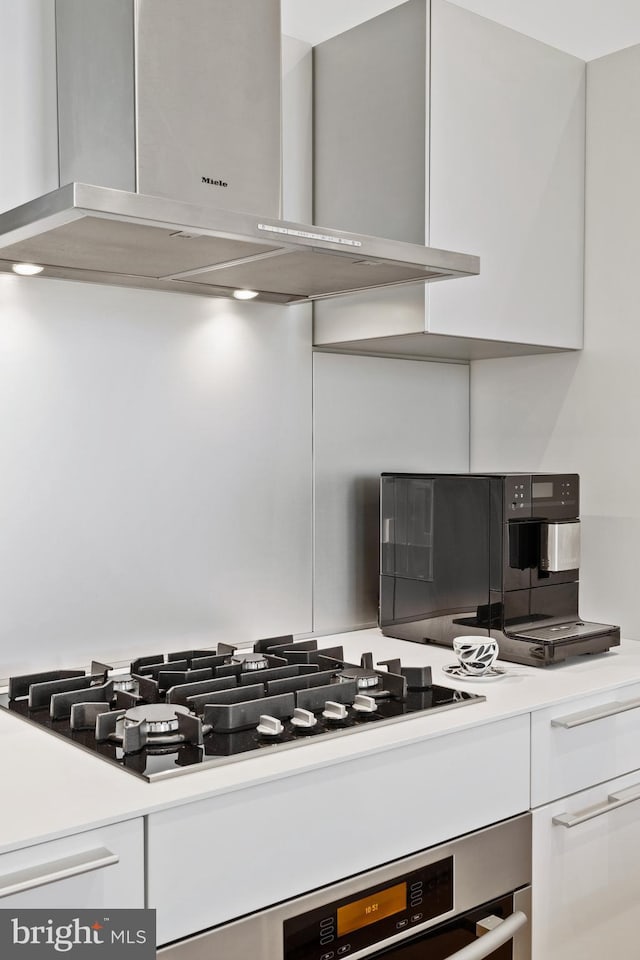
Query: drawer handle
x,y
485,945
595,713
38,876
614,800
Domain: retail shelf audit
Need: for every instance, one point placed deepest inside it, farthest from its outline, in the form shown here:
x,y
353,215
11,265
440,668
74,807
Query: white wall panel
x,y
155,454
317,20
373,415
581,411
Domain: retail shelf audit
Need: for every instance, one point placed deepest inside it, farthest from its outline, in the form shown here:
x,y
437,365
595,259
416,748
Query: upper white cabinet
x,y
435,125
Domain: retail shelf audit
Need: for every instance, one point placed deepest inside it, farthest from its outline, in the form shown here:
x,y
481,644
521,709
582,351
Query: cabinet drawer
x,y
584,742
98,868
586,873
246,850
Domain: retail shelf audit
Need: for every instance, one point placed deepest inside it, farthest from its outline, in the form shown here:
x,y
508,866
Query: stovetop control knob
x,y
335,712
269,726
364,704
303,719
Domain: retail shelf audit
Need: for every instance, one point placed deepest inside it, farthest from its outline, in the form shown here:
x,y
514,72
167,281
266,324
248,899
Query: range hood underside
x,y
82,232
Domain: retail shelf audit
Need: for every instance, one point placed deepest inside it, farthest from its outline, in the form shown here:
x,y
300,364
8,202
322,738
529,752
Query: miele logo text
x,y
215,183
49,933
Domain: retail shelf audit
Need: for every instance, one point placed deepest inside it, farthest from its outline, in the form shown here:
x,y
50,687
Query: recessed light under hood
x,y
185,134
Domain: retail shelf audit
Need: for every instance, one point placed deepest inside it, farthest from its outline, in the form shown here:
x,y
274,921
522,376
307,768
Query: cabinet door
x,y
370,136
251,848
98,868
585,741
507,142
500,143
586,874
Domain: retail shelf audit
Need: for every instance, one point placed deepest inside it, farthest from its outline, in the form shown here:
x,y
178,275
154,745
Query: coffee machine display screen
x,y
542,489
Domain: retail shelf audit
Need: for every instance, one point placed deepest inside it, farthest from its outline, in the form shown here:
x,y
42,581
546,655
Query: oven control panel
x,y
370,917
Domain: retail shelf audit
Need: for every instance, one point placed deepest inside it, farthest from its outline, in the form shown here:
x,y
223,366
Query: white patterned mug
x,y
476,655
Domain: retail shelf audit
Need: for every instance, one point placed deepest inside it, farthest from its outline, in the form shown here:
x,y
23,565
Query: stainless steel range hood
x,y
185,133
82,232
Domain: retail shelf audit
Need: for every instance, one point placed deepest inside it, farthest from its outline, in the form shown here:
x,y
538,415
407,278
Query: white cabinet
x,y
585,791
245,850
98,868
499,143
586,874
587,741
507,180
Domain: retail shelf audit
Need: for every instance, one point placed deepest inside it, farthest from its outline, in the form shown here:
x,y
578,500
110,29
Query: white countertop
x,y
52,788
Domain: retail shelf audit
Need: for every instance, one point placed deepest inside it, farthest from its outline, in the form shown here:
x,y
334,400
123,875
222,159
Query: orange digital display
x,y
382,904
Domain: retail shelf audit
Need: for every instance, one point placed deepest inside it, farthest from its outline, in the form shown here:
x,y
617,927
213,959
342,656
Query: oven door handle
x,y
484,946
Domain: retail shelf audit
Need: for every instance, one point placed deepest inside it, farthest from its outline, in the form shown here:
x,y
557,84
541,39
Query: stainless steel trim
x,y
600,712
522,940
267,748
487,864
186,274
144,131
613,802
99,234
28,879
487,924
208,101
488,942
96,120
309,234
560,546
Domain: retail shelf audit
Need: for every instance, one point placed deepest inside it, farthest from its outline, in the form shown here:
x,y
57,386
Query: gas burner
x,y
151,726
364,677
187,710
124,683
161,718
250,661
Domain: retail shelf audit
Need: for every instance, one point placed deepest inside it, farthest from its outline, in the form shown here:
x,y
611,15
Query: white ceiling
x,y
585,28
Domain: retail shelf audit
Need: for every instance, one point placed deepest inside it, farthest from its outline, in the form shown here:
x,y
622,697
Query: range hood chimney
x,y
169,163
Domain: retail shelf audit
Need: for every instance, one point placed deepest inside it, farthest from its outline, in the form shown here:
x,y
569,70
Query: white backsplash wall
x,y
155,455
580,412
156,448
373,415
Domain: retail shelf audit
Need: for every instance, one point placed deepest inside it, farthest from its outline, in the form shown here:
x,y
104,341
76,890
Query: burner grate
x,y
195,708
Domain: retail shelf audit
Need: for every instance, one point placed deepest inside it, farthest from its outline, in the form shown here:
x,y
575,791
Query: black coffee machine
x,y
488,554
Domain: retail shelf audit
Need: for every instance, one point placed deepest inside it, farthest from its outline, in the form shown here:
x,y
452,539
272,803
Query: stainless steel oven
x,y
468,899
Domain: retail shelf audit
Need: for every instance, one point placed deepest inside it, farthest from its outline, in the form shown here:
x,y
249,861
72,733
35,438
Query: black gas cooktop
x,y
179,712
